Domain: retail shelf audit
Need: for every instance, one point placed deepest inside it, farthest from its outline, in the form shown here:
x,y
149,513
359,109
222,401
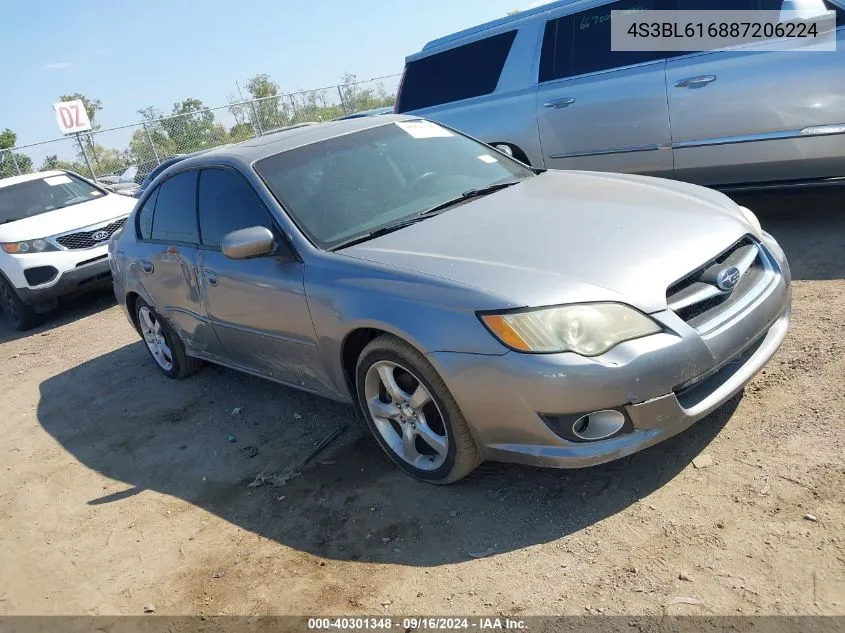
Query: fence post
x,y
342,103
150,140
15,161
255,121
85,156
293,107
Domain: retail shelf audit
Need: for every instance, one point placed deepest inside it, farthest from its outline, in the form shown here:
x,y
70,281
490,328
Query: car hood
x,y
59,221
566,237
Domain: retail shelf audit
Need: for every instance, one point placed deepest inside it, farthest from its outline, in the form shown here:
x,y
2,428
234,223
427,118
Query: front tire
x,y
163,343
21,315
412,414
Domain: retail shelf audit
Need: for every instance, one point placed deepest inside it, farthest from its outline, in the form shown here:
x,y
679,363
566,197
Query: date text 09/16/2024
x,y
417,623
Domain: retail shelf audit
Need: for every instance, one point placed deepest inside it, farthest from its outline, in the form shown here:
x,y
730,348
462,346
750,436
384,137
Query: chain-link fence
x,y
127,153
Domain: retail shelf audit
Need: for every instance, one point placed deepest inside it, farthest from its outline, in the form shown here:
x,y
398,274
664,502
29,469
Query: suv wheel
x,y
164,344
411,413
22,315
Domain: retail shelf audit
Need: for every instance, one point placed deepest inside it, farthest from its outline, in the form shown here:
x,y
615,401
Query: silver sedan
x,y
468,306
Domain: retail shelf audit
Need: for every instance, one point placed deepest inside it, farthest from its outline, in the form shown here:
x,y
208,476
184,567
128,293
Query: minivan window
x,y
463,72
40,195
175,217
228,203
345,187
580,43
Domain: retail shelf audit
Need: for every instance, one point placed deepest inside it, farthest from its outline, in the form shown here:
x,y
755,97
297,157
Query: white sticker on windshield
x,y
424,129
57,180
486,158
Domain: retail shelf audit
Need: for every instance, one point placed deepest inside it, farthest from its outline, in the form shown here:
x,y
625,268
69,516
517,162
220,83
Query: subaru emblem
x,y
99,236
728,278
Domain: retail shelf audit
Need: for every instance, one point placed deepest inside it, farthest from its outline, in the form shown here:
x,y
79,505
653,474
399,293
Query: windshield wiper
x,y
427,213
390,228
469,194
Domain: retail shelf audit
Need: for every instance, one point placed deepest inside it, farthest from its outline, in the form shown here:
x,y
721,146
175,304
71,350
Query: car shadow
x,y
809,225
68,310
207,439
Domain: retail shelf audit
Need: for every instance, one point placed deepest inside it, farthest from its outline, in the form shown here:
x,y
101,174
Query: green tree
x,y
12,163
355,98
267,104
191,127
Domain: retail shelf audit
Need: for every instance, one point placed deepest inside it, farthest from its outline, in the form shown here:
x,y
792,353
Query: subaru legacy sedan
x,y
469,307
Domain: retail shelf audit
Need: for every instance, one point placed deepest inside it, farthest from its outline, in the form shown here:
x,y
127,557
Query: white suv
x,y
54,233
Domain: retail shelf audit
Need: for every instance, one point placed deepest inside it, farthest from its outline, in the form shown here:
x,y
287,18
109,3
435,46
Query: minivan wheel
x,y
164,344
411,413
21,315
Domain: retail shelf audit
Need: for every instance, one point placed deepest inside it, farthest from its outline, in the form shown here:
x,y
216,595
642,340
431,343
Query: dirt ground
x,y
120,488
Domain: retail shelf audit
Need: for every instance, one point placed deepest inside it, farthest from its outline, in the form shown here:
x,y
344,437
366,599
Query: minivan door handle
x,y
695,82
210,276
559,104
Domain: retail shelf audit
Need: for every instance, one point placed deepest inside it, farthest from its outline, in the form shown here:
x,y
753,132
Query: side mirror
x,y
256,240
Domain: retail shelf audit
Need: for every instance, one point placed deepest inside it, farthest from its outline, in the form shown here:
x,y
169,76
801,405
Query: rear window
x,y
34,197
464,72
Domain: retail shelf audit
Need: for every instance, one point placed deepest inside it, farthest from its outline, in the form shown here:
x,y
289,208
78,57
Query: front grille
x,y
698,299
85,239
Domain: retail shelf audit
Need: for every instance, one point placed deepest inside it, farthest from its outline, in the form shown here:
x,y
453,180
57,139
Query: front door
x,y
600,109
257,306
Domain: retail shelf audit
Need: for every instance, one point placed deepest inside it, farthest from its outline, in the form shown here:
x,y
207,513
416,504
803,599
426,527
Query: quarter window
x,y
228,203
145,216
580,43
175,218
463,72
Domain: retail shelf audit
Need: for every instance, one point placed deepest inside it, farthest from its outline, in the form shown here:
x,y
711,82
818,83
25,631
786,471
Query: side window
x,y
175,218
463,72
580,43
145,216
227,202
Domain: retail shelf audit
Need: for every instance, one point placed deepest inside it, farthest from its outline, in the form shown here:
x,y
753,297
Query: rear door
x,y
600,109
169,238
257,306
752,114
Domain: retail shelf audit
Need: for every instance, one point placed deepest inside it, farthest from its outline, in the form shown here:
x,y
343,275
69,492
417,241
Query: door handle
x,y
210,276
559,104
147,266
695,82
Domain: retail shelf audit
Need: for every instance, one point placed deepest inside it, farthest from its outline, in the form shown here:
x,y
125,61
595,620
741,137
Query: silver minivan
x,y
553,94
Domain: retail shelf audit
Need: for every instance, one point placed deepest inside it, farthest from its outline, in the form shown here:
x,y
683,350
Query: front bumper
x,y
663,383
82,278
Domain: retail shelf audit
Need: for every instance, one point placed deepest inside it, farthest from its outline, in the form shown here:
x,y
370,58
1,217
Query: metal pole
x,y
256,124
15,161
150,139
85,156
293,106
342,104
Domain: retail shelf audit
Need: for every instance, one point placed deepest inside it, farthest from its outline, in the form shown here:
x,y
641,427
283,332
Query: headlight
x,y
752,220
28,246
587,329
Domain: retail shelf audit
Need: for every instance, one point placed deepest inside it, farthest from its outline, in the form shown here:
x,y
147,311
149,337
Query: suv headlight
x,y
587,329
28,246
752,220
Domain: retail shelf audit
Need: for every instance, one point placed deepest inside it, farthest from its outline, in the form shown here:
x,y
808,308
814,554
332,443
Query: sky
x,y
159,52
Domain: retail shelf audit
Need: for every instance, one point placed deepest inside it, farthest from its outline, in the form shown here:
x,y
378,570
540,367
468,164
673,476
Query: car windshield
x,y
349,186
34,197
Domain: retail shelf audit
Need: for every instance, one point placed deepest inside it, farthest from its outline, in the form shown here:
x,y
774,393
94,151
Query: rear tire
x,y
21,315
163,343
417,421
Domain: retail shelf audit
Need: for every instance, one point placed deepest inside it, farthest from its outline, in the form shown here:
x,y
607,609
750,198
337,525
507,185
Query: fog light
x,y
598,425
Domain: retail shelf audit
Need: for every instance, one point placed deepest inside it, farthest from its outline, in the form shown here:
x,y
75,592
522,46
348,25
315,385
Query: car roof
x,y
247,152
454,38
14,180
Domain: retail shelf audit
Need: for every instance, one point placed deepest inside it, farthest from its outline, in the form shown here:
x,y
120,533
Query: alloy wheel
x,y
153,335
405,415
